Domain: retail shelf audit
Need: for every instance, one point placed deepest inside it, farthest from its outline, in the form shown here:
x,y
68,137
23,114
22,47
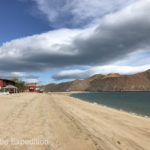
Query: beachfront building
x,y
8,86
31,87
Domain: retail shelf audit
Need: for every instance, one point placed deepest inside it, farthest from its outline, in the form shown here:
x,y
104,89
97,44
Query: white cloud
x,y
62,13
33,52
46,42
18,74
82,74
27,77
31,80
9,75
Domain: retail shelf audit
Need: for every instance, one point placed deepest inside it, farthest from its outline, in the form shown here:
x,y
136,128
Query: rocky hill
x,y
110,82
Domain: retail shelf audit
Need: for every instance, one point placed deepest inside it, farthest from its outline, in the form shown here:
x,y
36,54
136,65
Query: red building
x,y
31,87
5,82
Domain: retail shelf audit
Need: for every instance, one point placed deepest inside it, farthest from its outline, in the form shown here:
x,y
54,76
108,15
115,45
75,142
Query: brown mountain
x,y
110,82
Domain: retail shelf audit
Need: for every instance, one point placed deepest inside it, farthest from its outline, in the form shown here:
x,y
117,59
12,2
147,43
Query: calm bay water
x,y
134,102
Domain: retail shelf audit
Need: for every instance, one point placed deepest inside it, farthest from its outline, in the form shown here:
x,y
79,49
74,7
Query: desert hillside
x,y
110,82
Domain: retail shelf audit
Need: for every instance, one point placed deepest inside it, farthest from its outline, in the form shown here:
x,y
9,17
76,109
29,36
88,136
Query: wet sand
x,y
66,123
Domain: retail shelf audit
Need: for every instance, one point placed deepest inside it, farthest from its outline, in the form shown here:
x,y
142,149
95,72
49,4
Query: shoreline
x,y
107,107
121,110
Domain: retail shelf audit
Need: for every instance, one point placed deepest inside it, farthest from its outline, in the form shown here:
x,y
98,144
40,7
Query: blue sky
x,y
17,22
48,41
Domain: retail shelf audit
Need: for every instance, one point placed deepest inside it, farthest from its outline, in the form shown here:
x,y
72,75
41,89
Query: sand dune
x,y
66,123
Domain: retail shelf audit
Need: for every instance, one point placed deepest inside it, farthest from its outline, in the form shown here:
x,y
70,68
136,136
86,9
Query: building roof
x,y
31,84
7,80
10,87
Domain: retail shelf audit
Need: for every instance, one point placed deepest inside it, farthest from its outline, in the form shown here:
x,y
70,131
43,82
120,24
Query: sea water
x,y
133,102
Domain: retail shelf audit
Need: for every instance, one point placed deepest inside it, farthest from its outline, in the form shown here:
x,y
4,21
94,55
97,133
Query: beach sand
x,y
66,123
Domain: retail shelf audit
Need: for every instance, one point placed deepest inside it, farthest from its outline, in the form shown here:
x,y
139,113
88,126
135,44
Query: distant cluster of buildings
x,y
31,87
10,86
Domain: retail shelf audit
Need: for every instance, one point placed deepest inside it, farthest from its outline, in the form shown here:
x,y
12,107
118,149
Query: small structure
x,y
10,89
31,87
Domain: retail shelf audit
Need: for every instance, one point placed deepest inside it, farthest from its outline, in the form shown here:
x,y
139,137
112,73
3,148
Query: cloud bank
x,y
117,36
26,77
82,74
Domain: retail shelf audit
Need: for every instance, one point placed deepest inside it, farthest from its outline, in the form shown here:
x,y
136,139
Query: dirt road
x,y
59,122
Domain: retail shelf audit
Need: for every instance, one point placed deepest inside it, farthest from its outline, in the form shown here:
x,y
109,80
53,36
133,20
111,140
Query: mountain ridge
x,y
110,82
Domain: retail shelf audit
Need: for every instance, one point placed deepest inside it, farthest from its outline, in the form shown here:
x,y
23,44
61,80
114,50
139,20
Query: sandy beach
x,y
58,122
